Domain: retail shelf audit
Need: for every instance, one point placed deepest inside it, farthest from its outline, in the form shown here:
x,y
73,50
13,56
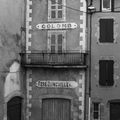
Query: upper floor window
x,y
56,41
106,72
56,10
107,5
106,31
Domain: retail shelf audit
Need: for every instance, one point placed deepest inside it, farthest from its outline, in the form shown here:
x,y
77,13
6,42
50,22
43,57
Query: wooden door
x,y
56,109
115,111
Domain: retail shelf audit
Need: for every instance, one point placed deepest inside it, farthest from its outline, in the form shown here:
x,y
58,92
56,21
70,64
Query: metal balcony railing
x,y
53,59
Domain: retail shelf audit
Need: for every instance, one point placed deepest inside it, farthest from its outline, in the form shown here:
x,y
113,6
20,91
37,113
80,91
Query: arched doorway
x,y
14,108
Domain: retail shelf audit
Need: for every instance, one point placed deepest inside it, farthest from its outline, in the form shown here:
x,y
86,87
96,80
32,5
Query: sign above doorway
x,y
57,84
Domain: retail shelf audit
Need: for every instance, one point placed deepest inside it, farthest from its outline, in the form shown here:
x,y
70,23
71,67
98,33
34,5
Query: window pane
x,y
53,49
59,14
53,7
59,49
60,39
60,7
53,14
53,1
106,3
96,115
52,39
96,106
59,1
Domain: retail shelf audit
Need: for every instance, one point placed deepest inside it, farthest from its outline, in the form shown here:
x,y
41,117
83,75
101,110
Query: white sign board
x,y
57,84
54,26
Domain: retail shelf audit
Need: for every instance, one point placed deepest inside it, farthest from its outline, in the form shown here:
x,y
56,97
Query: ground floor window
x,y
14,108
56,109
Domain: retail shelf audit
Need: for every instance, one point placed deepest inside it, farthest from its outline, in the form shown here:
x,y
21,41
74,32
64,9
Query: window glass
x,y
106,4
56,11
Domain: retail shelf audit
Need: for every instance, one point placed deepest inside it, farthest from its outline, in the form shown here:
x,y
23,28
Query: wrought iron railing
x,y
54,59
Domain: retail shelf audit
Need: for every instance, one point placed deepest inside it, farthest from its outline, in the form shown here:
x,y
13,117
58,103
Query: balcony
x,y
45,59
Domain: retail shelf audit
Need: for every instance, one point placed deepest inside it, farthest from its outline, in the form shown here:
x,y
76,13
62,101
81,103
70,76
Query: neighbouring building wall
x,y
11,42
105,47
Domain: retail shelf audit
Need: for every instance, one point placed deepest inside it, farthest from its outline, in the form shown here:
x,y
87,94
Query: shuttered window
x,y
56,109
106,72
106,31
56,41
56,10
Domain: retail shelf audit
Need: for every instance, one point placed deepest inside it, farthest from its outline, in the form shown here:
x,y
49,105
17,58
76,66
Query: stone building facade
x,y
103,37
55,60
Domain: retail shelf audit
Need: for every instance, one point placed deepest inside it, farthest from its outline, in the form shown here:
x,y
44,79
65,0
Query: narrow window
x,y
96,111
106,72
106,31
56,10
107,5
56,41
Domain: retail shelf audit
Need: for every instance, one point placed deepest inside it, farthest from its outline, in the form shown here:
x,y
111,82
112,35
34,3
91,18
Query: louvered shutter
x,y
102,30
102,72
109,30
110,74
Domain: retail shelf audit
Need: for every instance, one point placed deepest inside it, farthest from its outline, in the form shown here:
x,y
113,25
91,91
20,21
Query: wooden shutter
x,y
110,72
109,30
102,72
112,5
106,72
101,111
56,109
102,30
106,30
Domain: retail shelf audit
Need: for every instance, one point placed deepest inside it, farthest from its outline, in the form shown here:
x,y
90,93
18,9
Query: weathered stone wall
x,y
11,40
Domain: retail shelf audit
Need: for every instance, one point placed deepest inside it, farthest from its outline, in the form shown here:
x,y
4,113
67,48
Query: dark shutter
x,y
106,30
112,5
106,72
102,72
109,30
110,73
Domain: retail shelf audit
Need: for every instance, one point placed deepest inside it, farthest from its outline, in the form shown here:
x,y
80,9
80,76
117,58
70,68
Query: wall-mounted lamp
x,y
91,9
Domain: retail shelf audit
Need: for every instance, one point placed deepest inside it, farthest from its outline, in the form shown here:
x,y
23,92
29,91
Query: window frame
x,y
56,5
96,111
106,9
56,33
104,82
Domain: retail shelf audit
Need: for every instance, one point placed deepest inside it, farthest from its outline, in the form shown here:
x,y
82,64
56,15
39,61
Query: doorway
x,y
115,111
56,109
14,108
